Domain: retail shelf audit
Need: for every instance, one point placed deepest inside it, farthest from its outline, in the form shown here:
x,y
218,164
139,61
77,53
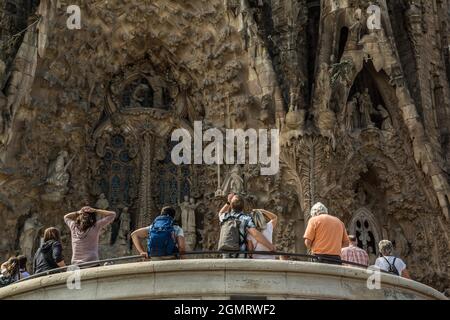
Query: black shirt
x,y
47,257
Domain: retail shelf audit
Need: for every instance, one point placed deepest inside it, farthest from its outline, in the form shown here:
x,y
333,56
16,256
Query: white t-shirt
x,y
383,264
268,233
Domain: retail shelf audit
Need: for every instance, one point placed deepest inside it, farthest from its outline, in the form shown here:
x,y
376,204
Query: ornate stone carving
x,y
102,202
257,65
234,182
365,109
124,233
188,223
58,177
29,236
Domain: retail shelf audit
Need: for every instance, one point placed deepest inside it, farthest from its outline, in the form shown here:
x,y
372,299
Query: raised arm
x,y
104,213
72,215
226,208
272,216
137,236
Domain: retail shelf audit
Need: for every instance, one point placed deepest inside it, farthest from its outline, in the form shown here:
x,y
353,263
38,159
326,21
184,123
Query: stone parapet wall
x,y
224,279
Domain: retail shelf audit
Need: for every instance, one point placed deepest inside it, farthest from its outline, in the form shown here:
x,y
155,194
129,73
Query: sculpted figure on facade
x,y
58,177
188,223
366,109
386,119
139,96
102,202
29,235
234,182
125,225
350,110
355,31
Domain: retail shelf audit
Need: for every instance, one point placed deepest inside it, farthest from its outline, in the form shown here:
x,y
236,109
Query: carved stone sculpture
x,y
29,236
366,109
233,183
349,114
58,177
102,202
124,233
387,121
188,224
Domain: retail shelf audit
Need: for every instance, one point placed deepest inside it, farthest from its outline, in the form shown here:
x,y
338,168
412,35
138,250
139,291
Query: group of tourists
x,y
13,270
242,235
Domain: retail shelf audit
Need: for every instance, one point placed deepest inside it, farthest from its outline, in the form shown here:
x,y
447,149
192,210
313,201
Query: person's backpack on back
x,y
392,268
161,238
230,236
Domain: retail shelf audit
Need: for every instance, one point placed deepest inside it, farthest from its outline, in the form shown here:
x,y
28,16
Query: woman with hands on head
x,y
85,227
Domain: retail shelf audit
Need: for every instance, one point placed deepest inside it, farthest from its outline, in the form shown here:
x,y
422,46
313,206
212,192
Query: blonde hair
x,y
259,219
386,248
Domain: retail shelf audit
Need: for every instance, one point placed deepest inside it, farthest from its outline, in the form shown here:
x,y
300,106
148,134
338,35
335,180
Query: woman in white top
x,y
260,218
388,262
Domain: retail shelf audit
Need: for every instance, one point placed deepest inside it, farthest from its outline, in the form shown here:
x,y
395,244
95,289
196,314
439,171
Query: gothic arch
x,y
367,229
363,158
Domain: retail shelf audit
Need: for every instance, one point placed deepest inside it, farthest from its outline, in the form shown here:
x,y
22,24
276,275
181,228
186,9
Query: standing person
x,y
388,262
49,256
236,226
266,228
23,266
325,235
11,272
355,254
165,239
85,230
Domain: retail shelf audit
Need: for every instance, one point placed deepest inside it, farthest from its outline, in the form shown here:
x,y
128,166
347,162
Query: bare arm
x,y
104,212
181,246
250,247
405,274
345,239
272,216
308,244
225,208
136,237
345,243
261,239
72,215
61,264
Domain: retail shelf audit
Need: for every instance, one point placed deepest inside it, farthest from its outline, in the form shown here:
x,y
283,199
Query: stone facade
x,y
364,117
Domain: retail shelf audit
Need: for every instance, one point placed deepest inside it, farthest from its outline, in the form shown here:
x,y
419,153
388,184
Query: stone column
x,y
146,205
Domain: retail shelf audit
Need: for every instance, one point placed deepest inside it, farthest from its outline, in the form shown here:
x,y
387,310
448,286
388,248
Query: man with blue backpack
x,y
165,240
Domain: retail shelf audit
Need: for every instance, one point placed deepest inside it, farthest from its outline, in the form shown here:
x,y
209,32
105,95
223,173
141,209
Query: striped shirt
x,y
355,254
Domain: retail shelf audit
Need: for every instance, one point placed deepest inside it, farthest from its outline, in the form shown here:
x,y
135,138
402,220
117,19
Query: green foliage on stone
x,y
339,72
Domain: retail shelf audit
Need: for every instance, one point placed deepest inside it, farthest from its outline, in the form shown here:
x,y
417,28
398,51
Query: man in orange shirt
x,y
325,235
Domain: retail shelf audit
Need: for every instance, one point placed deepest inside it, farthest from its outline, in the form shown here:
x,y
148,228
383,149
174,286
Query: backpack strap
x,y
244,236
392,265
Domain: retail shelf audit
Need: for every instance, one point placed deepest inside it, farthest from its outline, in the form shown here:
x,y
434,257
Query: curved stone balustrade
x,y
219,279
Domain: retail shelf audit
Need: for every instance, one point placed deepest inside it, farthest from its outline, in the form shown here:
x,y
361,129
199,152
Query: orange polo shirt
x,y
327,234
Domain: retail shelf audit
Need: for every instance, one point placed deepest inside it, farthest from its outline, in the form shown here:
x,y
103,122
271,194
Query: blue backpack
x,y
161,238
